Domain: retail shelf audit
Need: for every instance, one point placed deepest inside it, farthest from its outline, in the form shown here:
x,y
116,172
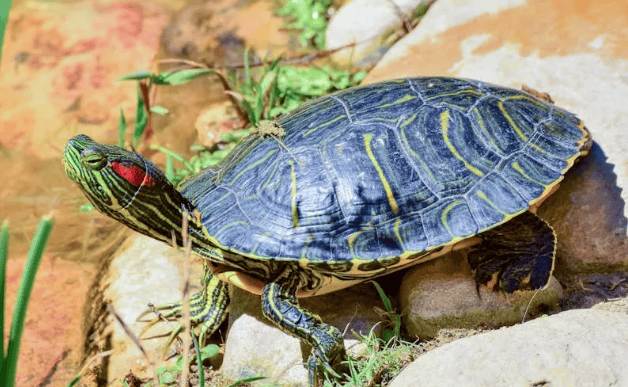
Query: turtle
x,y
355,185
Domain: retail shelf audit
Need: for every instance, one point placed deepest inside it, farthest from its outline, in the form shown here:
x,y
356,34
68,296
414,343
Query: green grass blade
x,y
141,119
172,154
26,286
181,76
199,362
259,103
235,135
162,111
244,381
247,69
4,18
395,317
249,110
4,253
76,379
121,129
169,171
384,298
137,76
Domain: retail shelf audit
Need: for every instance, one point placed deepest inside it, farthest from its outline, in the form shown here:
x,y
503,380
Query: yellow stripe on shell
x,y
293,195
403,99
443,215
444,123
321,126
416,156
520,170
397,233
389,194
511,122
483,196
252,165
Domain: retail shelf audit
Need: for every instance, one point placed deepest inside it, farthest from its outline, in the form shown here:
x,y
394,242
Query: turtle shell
x,y
374,176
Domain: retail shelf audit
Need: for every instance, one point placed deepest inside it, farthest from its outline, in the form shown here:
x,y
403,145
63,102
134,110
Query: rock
x,y
218,31
442,294
587,215
619,305
580,60
574,348
255,346
366,23
195,33
143,271
587,290
60,65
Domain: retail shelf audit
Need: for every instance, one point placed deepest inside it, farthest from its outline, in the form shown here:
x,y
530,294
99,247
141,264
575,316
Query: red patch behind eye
x,y
133,175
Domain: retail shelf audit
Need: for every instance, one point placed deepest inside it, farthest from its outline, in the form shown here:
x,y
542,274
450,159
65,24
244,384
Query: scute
x,y
366,176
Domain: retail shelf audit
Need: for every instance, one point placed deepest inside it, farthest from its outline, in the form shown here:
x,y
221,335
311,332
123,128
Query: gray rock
x,y
256,347
442,294
366,22
574,348
577,61
619,305
143,271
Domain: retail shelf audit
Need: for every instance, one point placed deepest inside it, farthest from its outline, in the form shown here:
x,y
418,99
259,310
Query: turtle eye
x,y
94,159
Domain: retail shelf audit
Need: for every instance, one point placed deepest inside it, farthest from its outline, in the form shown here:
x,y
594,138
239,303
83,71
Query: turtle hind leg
x,y
516,255
280,305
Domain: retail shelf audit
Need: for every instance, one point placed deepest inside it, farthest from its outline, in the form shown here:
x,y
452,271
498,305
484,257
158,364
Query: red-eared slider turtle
x,y
360,183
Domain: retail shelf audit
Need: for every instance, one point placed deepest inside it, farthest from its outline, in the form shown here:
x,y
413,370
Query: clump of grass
x,y
279,89
310,17
146,82
382,361
393,330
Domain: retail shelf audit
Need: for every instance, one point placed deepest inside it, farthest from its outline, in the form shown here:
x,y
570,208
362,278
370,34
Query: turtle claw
x,y
207,311
318,361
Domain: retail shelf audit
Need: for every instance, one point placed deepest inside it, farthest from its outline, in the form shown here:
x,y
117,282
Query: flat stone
x,y
256,347
366,23
442,294
573,348
580,59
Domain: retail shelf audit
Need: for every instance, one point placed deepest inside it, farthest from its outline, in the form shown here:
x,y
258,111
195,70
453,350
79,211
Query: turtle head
x,y
125,186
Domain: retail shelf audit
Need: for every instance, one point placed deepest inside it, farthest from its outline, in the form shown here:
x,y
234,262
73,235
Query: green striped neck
x,y
127,187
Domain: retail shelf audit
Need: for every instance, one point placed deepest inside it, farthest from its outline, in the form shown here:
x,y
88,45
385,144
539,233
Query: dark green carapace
x,y
357,184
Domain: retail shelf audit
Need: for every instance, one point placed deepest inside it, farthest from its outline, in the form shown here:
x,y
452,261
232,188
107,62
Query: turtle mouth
x,y
72,155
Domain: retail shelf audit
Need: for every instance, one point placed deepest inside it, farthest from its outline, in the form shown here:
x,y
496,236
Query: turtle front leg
x,y
280,305
207,309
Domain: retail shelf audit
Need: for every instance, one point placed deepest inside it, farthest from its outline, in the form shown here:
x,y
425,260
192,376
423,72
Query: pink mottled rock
x,y
59,69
